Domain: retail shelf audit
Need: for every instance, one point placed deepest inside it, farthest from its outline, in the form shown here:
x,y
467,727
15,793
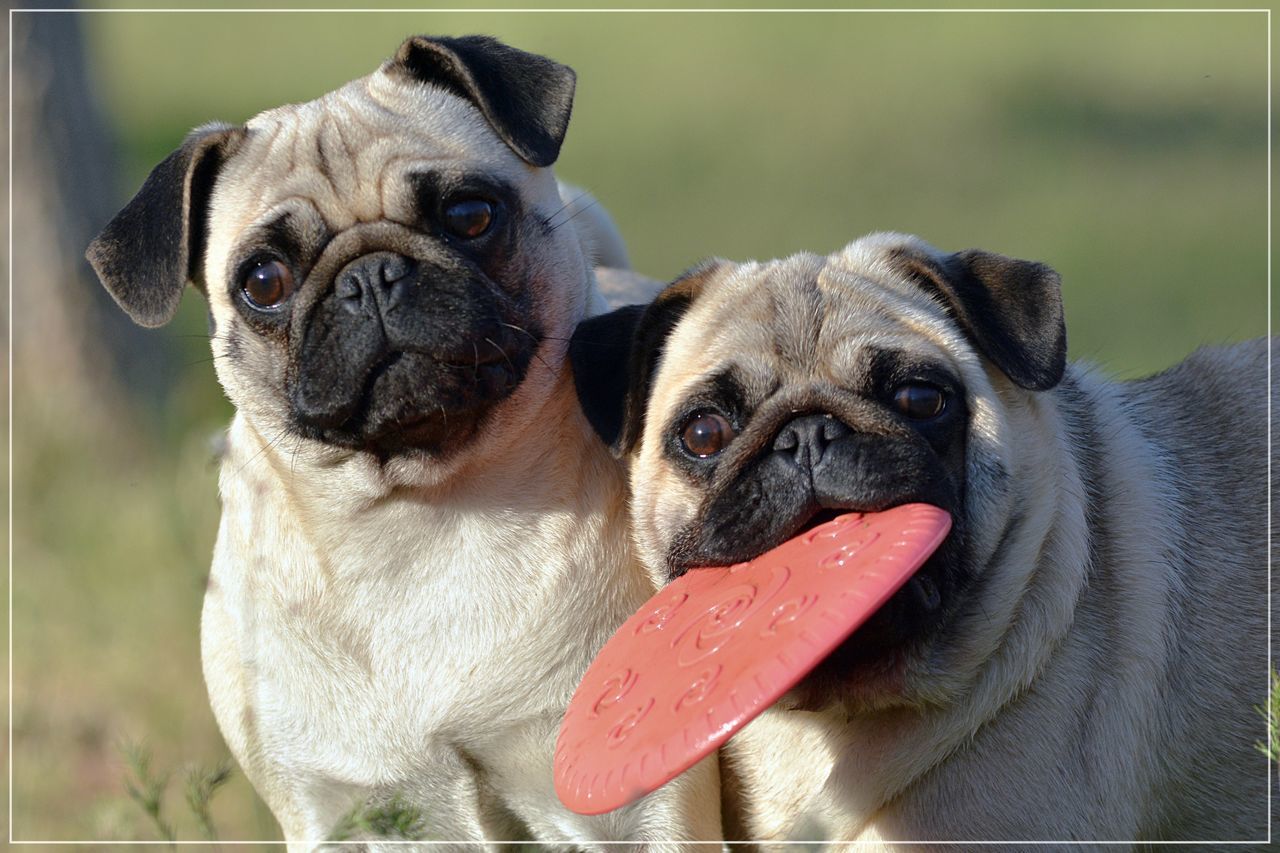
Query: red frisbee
x,y
715,647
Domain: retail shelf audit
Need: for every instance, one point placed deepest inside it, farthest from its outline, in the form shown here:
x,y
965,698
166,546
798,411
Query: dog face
x,y
759,400
382,265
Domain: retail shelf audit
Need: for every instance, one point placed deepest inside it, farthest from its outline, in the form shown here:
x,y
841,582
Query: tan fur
x,y
410,628
1068,698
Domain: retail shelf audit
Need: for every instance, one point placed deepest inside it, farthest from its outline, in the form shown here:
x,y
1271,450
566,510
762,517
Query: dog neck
x,y
535,477
1044,573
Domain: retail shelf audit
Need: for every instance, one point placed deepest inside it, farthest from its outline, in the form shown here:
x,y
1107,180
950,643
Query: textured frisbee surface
x,y
717,646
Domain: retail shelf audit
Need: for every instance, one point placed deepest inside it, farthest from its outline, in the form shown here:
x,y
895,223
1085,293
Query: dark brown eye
x,y
469,218
918,401
705,434
268,284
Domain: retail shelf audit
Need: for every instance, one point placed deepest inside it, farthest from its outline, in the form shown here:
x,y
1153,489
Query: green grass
x,y
1128,151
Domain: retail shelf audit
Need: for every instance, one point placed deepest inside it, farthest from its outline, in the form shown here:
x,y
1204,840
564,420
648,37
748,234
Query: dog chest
x,y
351,660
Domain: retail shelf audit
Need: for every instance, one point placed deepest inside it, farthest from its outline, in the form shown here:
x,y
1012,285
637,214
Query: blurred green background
x,y
1126,150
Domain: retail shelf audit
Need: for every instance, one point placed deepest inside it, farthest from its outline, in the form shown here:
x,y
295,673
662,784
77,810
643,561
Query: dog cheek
x,y
246,366
662,504
674,512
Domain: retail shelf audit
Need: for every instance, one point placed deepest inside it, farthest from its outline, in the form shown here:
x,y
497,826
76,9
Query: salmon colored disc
x,y
715,647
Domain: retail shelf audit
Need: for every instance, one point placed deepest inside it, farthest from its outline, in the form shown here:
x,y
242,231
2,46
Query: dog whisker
x,y
207,359
536,340
270,444
568,204
510,364
576,214
522,331
293,457
543,362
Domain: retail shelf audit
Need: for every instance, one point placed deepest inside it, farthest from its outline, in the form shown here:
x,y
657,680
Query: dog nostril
x,y
376,282
348,287
395,268
808,436
786,440
833,429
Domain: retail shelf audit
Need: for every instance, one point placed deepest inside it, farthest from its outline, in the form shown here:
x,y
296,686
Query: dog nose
x,y
806,438
380,278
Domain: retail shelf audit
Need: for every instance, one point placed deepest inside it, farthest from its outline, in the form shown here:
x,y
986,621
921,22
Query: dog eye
x,y
705,434
919,401
469,218
268,284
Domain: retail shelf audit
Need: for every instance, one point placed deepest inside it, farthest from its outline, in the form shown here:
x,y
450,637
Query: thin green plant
x,y
146,788
394,820
201,784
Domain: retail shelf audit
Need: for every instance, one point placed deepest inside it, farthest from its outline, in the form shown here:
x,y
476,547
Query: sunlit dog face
x,y
762,399
382,264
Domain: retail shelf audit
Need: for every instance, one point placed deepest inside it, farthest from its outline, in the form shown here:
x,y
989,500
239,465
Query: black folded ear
x,y
1010,309
155,245
526,98
616,355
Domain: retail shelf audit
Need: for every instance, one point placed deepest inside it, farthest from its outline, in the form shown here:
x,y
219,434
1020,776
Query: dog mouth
x,y
422,432
921,587
869,666
818,519
871,661
415,401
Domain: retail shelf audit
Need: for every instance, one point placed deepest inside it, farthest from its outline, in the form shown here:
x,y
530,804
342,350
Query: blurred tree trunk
x,y
74,351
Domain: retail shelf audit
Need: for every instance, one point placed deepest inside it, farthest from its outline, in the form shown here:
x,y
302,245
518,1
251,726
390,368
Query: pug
x,y
1082,659
422,541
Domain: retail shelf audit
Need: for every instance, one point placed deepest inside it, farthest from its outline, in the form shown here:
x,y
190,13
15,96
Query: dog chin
x,y
861,680
879,684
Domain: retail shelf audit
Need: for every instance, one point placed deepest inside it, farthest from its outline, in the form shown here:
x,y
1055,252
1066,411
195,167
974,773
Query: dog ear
x,y
599,352
155,245
1010,309
526,98
616,355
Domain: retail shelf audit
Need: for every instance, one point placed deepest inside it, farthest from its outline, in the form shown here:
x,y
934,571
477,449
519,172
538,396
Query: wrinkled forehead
x,y
347,157
808,319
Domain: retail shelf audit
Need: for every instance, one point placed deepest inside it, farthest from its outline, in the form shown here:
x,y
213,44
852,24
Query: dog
x,y
1084,656
422,542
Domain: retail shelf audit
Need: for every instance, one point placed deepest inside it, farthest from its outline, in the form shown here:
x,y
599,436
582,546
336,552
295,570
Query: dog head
x,y
384,268
758,400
